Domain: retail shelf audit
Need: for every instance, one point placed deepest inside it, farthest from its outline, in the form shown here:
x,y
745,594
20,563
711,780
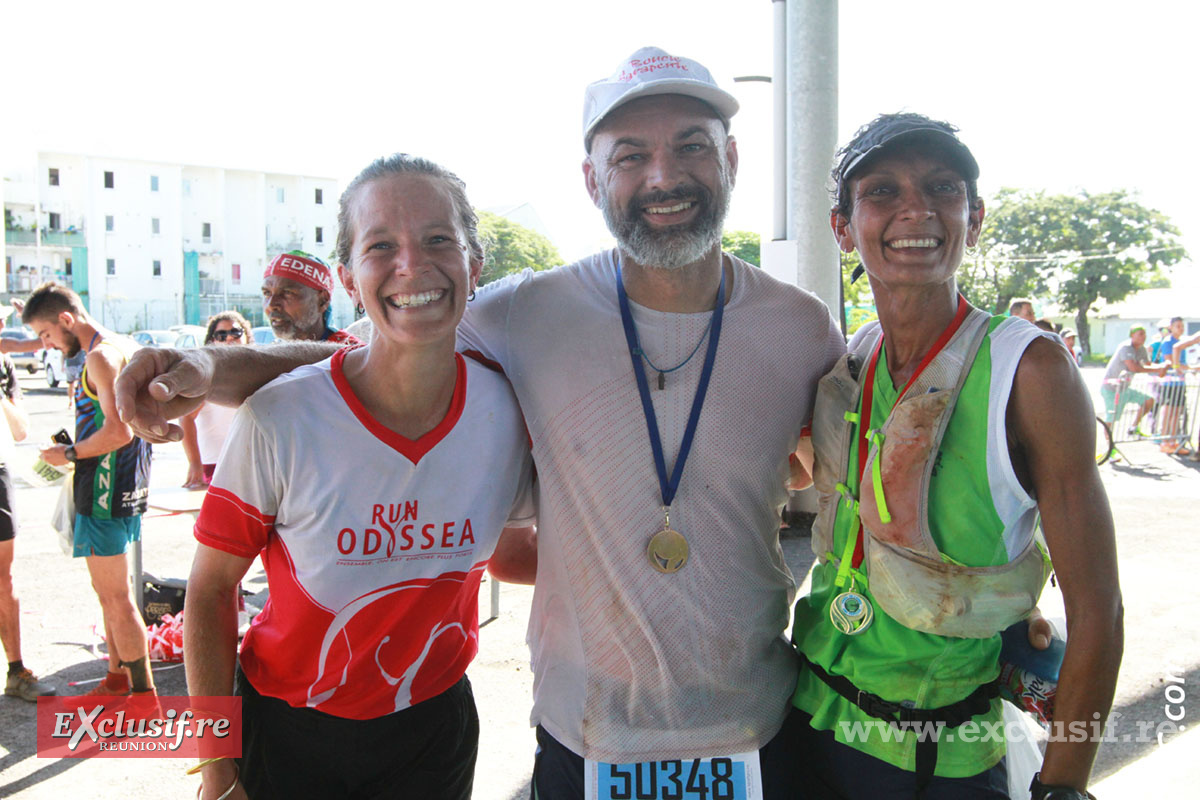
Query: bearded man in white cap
x,y
665,385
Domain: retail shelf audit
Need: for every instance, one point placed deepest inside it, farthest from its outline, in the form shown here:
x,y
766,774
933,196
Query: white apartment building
x,y
149,245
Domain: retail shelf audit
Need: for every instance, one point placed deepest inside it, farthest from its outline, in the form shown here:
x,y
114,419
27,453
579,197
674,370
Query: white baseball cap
x,y
652,71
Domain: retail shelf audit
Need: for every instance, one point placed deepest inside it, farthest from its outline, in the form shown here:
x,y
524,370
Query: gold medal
x,y
851,613
668,550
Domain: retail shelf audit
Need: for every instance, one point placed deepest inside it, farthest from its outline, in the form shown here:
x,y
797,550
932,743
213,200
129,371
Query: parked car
x,y
262,335
56,370
30,360
189,336
154,338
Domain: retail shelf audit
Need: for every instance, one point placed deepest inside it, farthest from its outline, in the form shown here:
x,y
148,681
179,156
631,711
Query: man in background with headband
x,y
296,292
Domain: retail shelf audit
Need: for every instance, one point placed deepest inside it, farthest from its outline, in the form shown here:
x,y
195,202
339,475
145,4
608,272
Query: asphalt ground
x,y
1154,499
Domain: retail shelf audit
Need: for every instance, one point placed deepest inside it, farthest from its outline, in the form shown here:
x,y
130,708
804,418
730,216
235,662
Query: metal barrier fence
x,y
1145,407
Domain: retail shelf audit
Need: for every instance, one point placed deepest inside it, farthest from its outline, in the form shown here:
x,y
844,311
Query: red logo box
x,y
139,727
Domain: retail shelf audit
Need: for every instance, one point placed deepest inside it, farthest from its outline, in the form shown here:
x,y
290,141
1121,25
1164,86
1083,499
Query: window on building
x,y
156,270
154,226
320,235
108,180
110,266
206,231
235,273
55,222
154,183
279,194
54,176
187,187
320,197
108,223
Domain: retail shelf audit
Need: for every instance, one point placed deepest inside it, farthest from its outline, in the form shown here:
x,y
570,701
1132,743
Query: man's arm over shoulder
x,y
484,326
1053,441
161,384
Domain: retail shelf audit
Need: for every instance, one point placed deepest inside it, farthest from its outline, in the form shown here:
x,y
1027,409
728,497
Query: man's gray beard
x,y
672,248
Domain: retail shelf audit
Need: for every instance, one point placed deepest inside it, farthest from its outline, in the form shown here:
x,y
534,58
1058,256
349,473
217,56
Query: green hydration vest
x,y
928,512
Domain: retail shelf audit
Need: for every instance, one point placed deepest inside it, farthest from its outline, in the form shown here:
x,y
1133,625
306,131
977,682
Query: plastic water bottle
x,y
1029,677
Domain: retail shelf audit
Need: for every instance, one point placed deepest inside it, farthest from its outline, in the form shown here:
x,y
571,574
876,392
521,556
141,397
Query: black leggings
x,y
425,751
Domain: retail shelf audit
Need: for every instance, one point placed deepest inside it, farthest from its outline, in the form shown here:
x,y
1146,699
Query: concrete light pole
x,y
803,251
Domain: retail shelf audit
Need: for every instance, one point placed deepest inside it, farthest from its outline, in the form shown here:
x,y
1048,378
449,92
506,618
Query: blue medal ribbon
x,y
669,488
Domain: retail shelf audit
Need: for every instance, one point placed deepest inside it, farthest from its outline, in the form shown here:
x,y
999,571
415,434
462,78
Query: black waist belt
x,y
953,715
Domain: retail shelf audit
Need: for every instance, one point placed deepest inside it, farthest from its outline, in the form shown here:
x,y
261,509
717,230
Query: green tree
x,y
996,272
859,301
743,244
510,248
1082,247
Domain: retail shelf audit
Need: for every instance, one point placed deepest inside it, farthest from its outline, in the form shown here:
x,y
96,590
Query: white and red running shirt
x,y
373,544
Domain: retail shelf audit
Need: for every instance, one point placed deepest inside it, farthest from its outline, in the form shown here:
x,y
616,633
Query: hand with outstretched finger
x,y
161,384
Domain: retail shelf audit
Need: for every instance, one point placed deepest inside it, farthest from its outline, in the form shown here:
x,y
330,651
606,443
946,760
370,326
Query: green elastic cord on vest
x,y
877,478
844,566
848,496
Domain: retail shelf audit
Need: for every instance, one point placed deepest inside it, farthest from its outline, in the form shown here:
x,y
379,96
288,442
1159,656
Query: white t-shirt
x,y
212,426
373,544
631,664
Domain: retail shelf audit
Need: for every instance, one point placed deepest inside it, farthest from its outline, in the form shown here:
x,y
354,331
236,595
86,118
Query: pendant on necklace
x,y
662,380
668,550
851,613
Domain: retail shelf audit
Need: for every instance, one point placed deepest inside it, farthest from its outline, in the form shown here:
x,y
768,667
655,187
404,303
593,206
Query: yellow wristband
x,y
205,763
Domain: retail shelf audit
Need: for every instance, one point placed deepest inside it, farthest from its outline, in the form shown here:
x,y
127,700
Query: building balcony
x,y
204,248
49,238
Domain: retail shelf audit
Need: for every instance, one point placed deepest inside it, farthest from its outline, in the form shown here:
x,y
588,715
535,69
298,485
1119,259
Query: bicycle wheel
x,y
1104,441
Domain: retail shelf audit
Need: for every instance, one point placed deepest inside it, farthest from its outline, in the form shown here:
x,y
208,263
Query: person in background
x,y
21,681
1178,354
1173,392
205,429
112,477
1045,324
1156,347
1131,358
1069,338
1022,307
1178,358
296,293
919,567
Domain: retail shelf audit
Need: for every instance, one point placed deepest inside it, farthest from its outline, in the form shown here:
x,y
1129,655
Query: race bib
x,y
735,777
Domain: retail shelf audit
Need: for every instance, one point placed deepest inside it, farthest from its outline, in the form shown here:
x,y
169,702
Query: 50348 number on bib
x,y
720,778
